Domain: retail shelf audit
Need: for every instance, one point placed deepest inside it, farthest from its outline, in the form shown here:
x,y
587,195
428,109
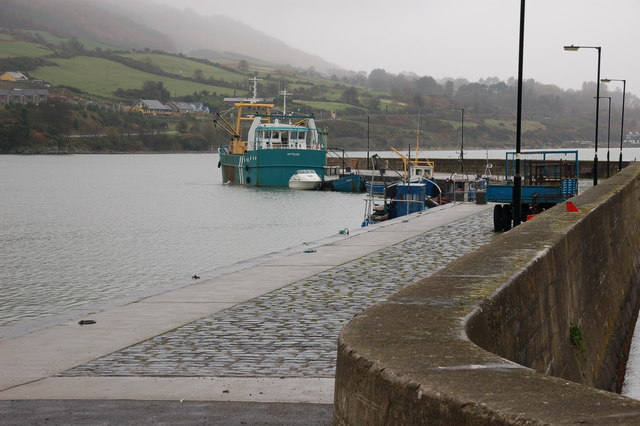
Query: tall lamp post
x,y
608,132
517,179
624,90
461,140
573,48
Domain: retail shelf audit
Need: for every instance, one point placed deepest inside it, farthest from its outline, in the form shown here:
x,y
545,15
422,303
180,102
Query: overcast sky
x,y
453,38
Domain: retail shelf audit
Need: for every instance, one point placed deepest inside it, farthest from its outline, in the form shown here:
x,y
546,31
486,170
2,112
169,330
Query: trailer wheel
x,y
497,218
507,215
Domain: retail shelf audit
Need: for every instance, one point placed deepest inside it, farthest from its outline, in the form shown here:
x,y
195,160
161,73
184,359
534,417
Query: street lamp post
x,y
624,90
573,48
461,140
517,179
608,132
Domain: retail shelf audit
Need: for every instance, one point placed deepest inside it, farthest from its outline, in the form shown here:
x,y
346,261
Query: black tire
x,y
507,215
497,218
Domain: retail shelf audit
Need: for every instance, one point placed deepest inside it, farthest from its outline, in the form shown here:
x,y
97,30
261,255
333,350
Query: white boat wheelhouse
x,y
278,135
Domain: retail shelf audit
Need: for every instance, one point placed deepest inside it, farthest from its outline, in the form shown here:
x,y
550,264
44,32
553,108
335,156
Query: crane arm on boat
x,y
226,126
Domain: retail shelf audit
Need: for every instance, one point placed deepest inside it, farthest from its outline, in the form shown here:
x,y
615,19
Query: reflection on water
x,y
83,231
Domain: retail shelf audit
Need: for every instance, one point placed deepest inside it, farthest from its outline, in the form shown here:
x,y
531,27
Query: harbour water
x,y
84,232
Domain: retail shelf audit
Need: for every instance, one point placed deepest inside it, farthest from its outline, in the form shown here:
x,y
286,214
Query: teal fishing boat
x,y
267,149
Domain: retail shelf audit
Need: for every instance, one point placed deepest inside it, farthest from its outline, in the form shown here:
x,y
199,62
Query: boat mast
x,y
254,98
284,94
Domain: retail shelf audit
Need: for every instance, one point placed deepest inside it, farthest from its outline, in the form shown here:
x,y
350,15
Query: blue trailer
x,y
548,178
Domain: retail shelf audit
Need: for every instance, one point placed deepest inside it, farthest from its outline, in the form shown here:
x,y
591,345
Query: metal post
x,y
368,155
573,48
624,90
595,158
517,178
608,132
461,158
462,142
608,135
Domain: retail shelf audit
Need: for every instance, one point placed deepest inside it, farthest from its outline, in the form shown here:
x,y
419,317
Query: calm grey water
x,y
82,232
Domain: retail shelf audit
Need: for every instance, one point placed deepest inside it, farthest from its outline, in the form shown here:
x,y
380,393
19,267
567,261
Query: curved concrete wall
x,y
487,340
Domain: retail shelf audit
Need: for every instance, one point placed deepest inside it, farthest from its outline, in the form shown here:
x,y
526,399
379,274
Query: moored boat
x,y
352,182
400,199
267,149
305,179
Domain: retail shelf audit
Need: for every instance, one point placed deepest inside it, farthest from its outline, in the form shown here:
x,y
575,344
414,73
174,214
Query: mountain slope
x,y
191,32
81,19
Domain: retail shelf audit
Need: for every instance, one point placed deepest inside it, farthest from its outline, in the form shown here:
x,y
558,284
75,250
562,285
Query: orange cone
x,y
571,207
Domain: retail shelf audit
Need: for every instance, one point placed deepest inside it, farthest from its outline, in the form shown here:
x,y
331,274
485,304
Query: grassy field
x,y
527,125
102,77
327,106
89,45
456,124
13,49
391,106
187,67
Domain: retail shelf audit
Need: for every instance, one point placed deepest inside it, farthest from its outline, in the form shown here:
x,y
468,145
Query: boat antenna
x,y
284,93
417,139
255,81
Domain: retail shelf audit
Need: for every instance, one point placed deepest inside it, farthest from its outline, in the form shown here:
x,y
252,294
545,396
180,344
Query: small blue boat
x,y
405,198
376,188
353,182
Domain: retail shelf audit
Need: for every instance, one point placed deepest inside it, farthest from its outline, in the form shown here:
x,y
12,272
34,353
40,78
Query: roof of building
x,y
17,75
27,92
154,105
181,106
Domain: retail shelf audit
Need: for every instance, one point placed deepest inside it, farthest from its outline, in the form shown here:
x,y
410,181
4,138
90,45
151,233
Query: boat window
x,y
264,135
275,135
301,135
294,135
285,136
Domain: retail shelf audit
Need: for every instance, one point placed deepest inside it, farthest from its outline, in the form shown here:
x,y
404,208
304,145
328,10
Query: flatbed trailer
x,y
548,178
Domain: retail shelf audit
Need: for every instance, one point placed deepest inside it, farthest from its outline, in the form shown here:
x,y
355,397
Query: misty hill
x,y
82,20
215,36
144,24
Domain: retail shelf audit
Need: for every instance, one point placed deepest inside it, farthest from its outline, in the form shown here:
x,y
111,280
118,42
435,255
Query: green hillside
x,y
392,104
187,67
10,48
52,39
101,77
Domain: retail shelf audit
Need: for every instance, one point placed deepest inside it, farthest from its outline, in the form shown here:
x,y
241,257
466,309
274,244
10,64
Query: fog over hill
x,y
83,20
145,24
193,32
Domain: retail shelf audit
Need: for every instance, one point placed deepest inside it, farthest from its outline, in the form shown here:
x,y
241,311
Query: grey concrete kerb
x,y
416,357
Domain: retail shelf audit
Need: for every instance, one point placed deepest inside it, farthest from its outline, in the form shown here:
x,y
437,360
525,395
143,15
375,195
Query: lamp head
x,y
571,48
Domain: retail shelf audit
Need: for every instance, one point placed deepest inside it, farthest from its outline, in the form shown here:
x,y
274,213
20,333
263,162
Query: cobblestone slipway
x,y
292,332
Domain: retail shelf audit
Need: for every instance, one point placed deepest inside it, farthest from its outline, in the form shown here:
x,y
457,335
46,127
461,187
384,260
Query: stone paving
x,y
292,332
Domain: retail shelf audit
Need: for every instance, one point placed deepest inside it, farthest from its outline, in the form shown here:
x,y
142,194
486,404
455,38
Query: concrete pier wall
x,y
473,166
533,327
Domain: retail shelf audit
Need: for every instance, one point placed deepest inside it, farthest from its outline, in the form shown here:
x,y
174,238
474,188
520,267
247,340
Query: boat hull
x,y
349,183
304,184
270,167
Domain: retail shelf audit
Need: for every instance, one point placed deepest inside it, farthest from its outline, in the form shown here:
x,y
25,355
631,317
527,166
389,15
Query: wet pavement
x,y
293,331
255,346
